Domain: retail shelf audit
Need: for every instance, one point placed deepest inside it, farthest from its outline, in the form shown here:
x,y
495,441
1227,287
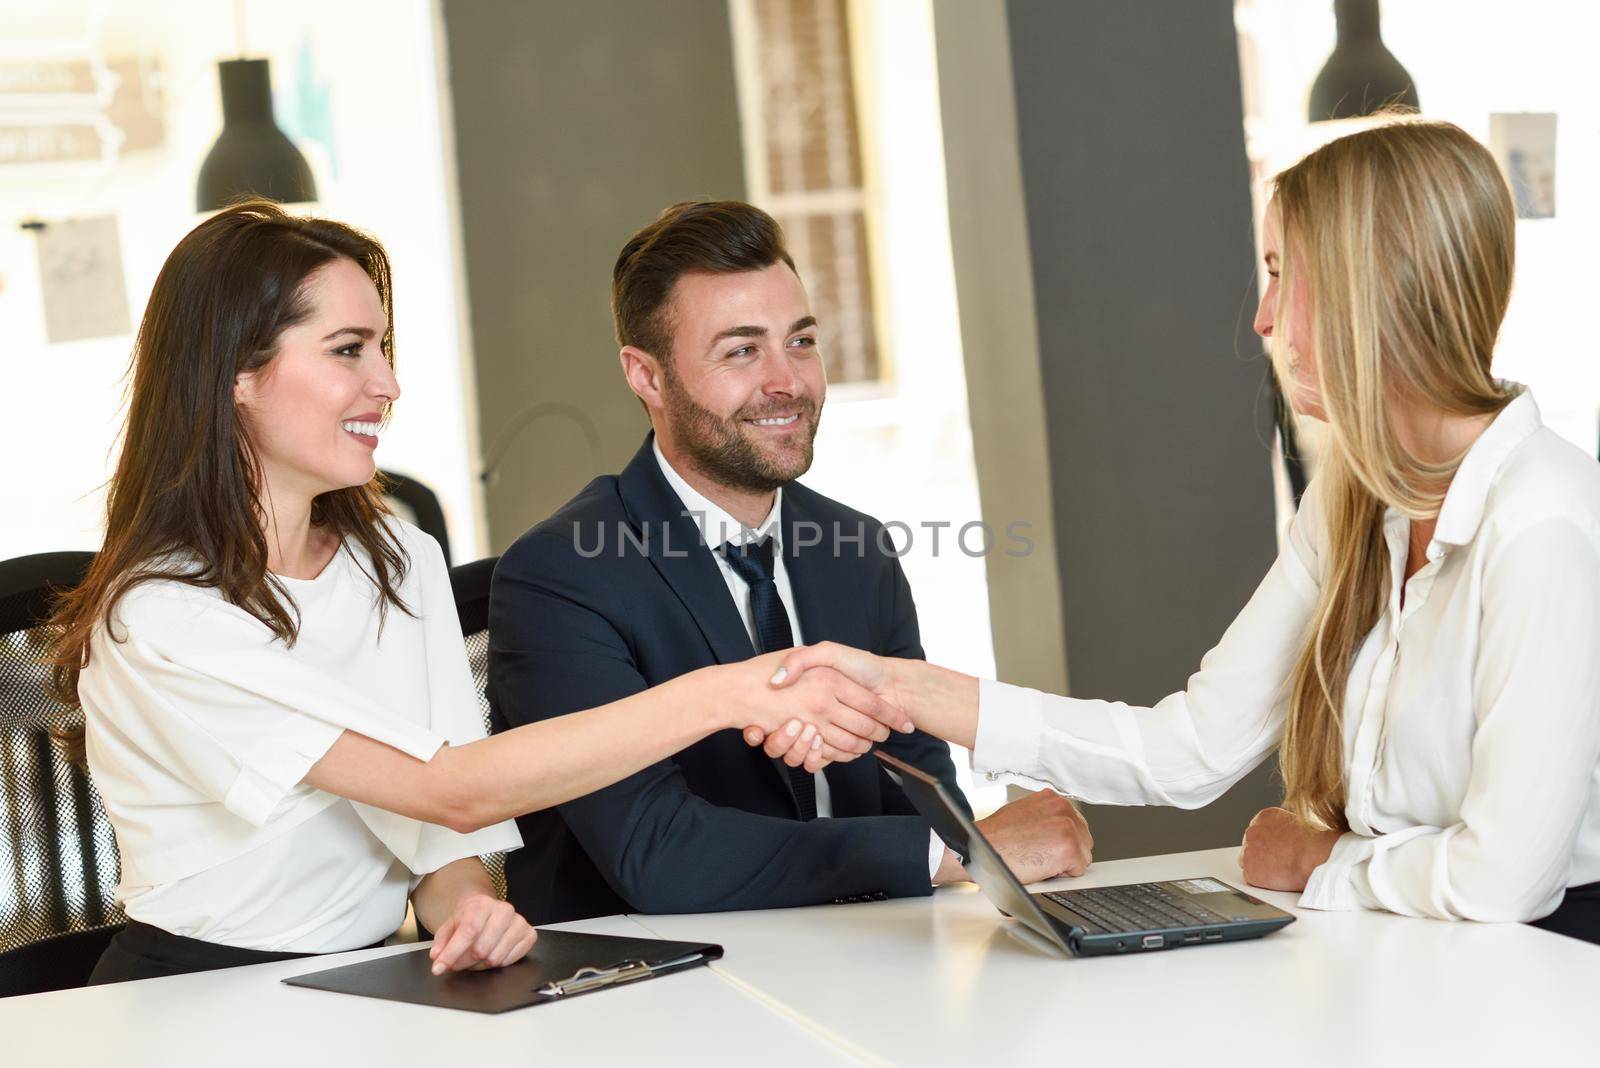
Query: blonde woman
x,y
1425,653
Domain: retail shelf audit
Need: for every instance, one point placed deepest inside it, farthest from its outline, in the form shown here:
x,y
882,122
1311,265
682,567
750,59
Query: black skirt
x,y
1578,915
140,951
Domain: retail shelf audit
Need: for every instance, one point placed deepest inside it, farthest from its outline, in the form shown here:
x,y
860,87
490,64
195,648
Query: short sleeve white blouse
x,y
201,725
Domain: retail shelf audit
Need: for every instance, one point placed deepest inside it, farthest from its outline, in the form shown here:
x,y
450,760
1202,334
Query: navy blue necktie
x,y
753,563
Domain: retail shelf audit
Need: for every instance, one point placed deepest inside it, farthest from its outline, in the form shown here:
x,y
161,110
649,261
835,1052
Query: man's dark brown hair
x,y
714,236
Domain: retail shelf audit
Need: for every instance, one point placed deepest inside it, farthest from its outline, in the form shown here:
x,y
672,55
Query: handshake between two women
x,y
839,701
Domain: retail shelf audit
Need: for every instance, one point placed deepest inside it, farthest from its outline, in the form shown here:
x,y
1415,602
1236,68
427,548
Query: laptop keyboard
x,y
1136,907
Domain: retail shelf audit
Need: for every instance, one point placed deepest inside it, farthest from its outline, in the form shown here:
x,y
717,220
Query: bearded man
x,y
704,551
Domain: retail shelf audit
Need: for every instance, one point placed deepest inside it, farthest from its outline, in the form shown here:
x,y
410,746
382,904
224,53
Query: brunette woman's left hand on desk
x,y
482,932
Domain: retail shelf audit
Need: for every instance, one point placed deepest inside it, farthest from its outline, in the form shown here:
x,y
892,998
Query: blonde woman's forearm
x,y
941,702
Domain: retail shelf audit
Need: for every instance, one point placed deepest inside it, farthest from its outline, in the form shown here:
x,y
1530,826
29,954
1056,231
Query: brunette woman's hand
x,y
483,932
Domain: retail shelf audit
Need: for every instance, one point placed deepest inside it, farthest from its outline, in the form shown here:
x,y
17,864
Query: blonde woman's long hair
x,y
1403,237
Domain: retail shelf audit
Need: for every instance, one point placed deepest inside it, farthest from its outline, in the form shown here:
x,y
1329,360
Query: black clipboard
x,y
561,966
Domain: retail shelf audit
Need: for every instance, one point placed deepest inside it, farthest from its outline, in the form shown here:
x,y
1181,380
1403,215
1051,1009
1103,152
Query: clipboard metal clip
x,y
585,979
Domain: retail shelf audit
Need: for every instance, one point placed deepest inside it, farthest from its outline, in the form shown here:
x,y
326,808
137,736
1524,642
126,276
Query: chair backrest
x,y
58,854
418,504
470,584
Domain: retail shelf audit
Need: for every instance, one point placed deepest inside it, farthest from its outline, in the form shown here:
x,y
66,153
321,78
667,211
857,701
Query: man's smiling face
x,y
743,387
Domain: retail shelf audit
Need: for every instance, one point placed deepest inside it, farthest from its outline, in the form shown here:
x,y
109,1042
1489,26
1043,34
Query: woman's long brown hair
x,y
184,502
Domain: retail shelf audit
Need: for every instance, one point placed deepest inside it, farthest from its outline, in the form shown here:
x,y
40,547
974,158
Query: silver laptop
x,y
1105,920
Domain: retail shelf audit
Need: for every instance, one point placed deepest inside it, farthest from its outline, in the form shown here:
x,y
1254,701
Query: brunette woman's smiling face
x,y
313,409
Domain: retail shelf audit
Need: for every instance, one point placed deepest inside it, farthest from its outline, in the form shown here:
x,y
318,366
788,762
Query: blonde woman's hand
x,y
926,697
483,932
866,669
820,718
793,668
1280,851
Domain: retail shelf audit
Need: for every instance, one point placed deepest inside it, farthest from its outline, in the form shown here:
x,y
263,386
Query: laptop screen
x,y
984,863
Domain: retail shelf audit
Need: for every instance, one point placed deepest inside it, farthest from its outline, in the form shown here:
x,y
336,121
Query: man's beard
x,y
719,447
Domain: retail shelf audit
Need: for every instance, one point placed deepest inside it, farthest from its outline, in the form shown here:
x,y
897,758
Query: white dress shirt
x,y
201,726
717,528
1471,717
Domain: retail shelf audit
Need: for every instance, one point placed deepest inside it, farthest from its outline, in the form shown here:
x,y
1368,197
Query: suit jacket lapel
x,y
675,549
826,607
829,606
688,567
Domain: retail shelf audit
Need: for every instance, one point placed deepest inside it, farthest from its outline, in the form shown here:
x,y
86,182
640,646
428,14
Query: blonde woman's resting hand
x,y
1280,851
483,932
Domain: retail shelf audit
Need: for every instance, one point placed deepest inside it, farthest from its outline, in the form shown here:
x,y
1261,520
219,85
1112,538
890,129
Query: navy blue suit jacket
x,y
716,827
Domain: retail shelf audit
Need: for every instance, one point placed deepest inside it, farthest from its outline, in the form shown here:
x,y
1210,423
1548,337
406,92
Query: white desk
x,y
937,981
919,981
245,1017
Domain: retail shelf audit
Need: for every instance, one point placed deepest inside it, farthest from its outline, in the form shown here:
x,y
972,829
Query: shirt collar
x,y
717,527
1464,501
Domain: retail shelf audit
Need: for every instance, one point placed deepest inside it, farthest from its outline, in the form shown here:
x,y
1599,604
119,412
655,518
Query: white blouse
x,y
1471,718
200,726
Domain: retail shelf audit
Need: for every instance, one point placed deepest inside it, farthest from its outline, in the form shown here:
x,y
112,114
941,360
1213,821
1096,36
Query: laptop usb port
x,y
1152,942
1192,936
1213,936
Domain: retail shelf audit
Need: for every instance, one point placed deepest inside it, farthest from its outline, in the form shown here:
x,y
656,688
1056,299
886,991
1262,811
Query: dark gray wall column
x,y
999,337
1139,231
575,124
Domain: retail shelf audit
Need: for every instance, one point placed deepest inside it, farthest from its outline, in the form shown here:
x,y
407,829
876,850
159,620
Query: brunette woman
x,y
278,709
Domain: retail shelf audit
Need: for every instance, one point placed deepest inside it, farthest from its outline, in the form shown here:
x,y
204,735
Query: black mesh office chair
x,y
470,582
58,855
417,504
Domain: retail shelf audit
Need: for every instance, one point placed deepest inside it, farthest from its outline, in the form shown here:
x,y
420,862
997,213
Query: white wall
x,y
60,404
1471,58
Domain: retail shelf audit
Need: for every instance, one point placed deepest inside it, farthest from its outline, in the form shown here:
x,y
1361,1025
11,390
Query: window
x,y
803,162
843,144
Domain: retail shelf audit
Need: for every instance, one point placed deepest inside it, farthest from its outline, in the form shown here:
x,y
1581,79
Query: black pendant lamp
x,y
1361,75
251,156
